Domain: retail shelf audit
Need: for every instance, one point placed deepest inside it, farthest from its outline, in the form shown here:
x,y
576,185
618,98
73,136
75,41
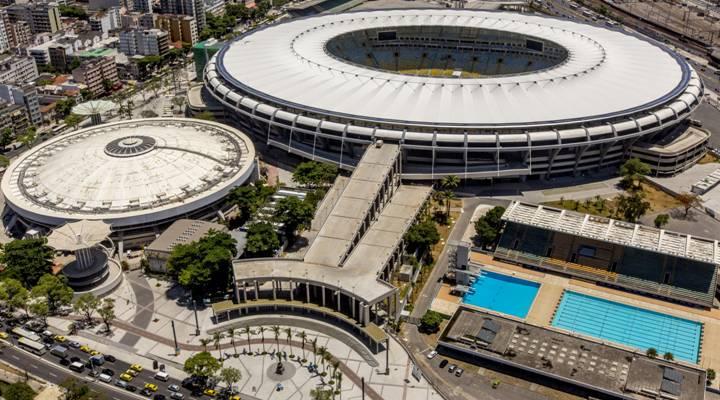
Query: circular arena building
x,y
471,93
138,176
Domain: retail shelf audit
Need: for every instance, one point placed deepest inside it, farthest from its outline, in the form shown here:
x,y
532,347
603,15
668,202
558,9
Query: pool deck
x,y
553,286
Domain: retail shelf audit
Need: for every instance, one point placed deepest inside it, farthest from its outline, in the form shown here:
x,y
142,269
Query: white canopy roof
x,y
78,235
608,72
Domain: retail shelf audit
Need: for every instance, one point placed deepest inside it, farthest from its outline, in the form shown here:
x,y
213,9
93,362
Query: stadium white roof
x,y
128,172
614,231
609,73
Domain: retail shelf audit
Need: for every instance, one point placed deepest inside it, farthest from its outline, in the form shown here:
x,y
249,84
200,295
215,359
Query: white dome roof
x,y
129,172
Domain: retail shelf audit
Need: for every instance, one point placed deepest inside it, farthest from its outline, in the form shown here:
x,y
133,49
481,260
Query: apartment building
x,y
106,20
96,73
17,69
23,95
182,28
193,8
148,42
40,17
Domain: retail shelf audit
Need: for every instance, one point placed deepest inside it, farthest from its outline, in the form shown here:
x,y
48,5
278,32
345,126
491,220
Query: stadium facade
x,y
473,93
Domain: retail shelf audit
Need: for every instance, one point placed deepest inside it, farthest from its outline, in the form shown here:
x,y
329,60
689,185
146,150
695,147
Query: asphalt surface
x,y
145,302
48,367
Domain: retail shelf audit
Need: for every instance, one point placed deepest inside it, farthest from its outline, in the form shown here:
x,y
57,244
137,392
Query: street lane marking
x,y
52,374
15,357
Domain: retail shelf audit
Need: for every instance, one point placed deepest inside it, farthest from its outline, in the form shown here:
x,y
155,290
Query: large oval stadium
x,y
472,93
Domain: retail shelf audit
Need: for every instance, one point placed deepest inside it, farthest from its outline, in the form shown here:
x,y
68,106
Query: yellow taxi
x,y
3,335
94,353
131,372
136,367
126,377
210,392
85,348
60,338
235,397
151,386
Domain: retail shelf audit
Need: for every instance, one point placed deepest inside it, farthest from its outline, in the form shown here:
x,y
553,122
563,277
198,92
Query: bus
x,y
59,128
24,333
33,347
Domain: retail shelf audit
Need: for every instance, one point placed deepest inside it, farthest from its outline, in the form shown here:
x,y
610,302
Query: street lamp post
x,y
177,348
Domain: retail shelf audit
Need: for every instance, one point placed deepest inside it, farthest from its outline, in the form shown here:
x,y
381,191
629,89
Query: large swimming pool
x,y
502,293
629,325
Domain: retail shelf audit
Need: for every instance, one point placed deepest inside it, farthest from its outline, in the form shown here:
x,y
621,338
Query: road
x,y
434,282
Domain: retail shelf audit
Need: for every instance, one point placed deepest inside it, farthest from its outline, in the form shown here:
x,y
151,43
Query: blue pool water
x,y
629,325
502,293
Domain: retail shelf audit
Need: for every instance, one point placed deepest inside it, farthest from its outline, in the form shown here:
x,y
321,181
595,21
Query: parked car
x,y
131,388
431,355
452,368
459,372
174,388
64,362
108,371
74,344
105,378
121,384
146,392
177,396
110,358
443,363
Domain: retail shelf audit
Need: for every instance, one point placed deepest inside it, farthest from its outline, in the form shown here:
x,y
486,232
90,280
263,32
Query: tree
x,y
202,364
431,321
314,174
216,338
448,185
204,265
710,375
205,342
28,139
107,311
288,336
230,376
26,260
39,309
688,201
661,220
303,337
7,137
487,227
276,332
18,391
76,390
231,332
55,291
63,107
262,240
247,331
13,294
422,235
669,356
322,351
651,352
249,198
633,171
73,120
72,12
86,304
633,206
294,214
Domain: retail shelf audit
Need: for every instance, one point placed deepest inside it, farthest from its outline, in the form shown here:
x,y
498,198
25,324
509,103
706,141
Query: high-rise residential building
x,y
16,69
143,6
182,28
5,33
106,20
24,95
14,117
18,33
193,8
41,17
148,42
97,73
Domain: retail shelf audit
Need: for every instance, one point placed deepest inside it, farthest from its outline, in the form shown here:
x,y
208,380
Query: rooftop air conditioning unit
x,y
378,143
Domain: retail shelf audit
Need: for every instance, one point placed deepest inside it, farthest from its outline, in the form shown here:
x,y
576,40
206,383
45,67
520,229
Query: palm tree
x,y
230,332
335,366
303,336
276,331
246,330
327,358
322,352
216,337
205,342
315,352
338,383
448,185
288,336
262,330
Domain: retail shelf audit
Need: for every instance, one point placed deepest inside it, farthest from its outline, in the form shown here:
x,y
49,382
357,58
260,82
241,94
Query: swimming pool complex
x,y
629,325
502,293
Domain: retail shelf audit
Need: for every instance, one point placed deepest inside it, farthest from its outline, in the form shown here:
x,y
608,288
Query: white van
x,y
105,378
162,376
